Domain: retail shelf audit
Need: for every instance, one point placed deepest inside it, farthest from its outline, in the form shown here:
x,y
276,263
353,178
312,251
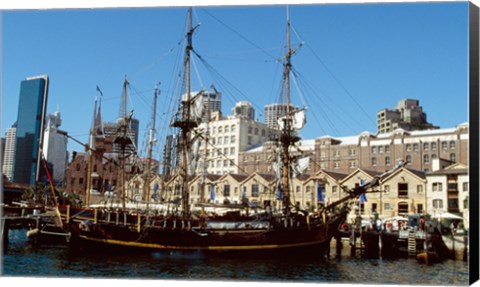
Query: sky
x,y
355,59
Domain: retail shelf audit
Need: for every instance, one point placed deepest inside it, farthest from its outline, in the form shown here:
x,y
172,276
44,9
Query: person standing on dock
x,y
422,223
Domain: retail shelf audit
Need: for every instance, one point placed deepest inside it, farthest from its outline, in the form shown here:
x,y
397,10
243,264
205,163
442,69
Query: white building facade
x,y
55,147
9,154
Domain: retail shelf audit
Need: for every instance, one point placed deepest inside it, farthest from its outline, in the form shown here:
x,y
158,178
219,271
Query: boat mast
x,y
287,138
123,140
151,141
90,155
185,123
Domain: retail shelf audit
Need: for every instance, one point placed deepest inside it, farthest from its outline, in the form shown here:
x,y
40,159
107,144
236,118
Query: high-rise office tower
x,y
30,127
244,109
275,111
55,147
9,151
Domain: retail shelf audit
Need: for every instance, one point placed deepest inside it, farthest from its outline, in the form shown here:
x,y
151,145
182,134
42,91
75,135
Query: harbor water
x,y
22,259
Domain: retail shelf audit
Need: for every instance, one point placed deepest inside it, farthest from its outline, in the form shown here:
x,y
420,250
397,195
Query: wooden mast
x,y
90,156
185,123
123,140
286,137
151,141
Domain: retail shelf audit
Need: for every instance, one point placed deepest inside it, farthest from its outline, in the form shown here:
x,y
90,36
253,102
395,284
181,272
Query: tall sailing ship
x,y
191,228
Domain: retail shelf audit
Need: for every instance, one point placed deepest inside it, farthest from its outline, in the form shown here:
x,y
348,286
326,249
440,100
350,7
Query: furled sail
x,y
300,165
196,105
299,120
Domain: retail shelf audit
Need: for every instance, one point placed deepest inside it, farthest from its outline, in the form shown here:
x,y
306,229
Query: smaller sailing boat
x,y
288,229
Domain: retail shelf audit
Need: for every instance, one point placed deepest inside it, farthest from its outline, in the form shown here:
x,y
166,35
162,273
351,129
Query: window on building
x,y
249,130
77,167
297,188
232,150
465,203
419,188
235,191
263,133
225,151
403,208
80,180
408,147
227,129
433,146
232,139
452,145
213,140
72,181
402,190
256,131
408,159
437,203
380,149
352,152
415,147
419,208
374,149
426,159
225,139
225,162
387,206
386,188
352,164
334,189
452,186
425,146
220,140
433,156
255,190
444,145
336,165
220,130
232,128
226,190
249,139
308,189
453,157
387,160
387,149
374,161
437,186
465,186
219,163
336,153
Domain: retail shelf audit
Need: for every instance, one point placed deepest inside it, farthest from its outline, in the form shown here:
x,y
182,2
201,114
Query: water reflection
x,y
22,259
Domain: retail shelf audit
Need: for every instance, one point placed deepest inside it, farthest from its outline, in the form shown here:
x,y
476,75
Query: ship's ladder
x,y
412,243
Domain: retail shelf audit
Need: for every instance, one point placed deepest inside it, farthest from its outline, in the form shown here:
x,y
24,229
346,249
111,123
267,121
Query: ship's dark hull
x,y
175,234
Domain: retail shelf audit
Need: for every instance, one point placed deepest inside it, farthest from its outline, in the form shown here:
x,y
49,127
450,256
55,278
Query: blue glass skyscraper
x,y
30,127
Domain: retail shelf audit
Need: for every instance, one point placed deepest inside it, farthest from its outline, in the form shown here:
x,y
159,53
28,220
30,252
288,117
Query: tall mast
x,y
90,156
286,137
151,141
123,140
186,124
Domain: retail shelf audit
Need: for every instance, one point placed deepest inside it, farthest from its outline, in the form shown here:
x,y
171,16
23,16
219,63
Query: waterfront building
x,y
227,137
55,147
407,115
9,151
30,129
448,190
372,152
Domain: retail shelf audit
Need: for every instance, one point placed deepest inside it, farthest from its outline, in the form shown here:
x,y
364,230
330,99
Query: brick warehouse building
x,y
368,151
